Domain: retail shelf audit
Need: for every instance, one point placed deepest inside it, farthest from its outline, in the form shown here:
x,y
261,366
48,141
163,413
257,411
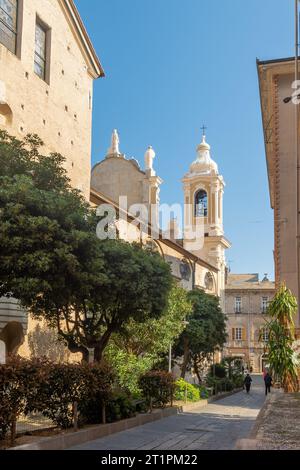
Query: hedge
x,y
50,389
157,388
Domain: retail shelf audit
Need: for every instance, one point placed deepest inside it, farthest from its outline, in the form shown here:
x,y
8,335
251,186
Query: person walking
x,y
265,371
247,383
268,382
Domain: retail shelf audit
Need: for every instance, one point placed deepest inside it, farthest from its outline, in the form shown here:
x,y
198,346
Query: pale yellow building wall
x,y
251,319
286,220
117,176
60,111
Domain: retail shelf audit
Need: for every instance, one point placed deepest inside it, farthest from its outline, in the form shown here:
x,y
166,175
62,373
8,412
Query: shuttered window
x,y
239,334
8,24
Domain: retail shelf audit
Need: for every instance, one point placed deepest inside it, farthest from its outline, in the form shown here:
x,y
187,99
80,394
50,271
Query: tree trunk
x,y
13,431
197,372
186,357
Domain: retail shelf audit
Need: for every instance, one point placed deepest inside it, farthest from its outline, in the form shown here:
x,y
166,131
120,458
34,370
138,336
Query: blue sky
x,y
172,65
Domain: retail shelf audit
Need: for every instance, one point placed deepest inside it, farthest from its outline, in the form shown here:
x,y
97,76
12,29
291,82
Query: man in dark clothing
x,y
247,383
268,383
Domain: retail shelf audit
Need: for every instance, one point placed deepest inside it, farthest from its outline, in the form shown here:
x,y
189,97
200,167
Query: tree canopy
x,y
140,346
205,332
53,262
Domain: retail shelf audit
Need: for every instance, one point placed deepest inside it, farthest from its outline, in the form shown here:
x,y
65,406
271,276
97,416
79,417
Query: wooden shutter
x,y
233,334
244,334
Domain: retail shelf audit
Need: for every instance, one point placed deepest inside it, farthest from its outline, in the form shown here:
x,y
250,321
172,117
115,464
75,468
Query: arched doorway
x,y
13,337
264,362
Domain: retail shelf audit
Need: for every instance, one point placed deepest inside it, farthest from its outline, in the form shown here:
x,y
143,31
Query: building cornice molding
x,y
94,65
97,198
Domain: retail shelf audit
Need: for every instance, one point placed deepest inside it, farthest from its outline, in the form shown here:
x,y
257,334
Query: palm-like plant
x,y
281,336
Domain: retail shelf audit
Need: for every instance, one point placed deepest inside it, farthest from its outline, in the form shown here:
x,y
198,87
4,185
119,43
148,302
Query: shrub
x,y
204,393
220,385
119,407
18,379
60,386
218,370
51,389
157,387
238,381
185,390
70,383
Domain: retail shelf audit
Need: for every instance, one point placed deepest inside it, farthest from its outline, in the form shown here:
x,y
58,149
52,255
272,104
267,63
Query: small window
x,y
40,59
265,335
238,305
201,204
8,24
238,334
264,304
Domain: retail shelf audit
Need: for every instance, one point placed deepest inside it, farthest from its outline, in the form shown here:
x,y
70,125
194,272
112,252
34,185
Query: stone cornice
x,y
94,65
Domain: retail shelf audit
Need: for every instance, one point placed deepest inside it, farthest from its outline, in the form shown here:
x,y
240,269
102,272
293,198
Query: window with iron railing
x,y
8,24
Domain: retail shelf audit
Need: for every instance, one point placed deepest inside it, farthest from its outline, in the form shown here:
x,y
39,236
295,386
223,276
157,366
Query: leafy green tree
x,y
46,228
139,346
283,360
204,334
53,262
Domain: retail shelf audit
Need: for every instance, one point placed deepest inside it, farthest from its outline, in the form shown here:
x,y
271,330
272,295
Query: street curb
x,y
67,440
261,415
252,441
199,404
71,439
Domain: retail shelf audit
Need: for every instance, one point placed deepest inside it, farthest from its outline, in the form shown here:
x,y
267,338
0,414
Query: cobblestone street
x,y
216,426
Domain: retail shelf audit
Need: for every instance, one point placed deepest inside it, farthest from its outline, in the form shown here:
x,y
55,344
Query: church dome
x,y
204,164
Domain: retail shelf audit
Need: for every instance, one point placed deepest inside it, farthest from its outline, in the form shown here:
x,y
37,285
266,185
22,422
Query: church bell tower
x,y
203,209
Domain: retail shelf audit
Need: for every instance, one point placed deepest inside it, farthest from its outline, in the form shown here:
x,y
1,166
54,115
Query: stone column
x,y
215,193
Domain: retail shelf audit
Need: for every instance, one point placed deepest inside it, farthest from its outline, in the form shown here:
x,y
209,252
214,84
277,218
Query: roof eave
x,y
95,69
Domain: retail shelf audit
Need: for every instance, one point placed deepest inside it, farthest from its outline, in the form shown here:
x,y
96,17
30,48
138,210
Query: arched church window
x,y
201,204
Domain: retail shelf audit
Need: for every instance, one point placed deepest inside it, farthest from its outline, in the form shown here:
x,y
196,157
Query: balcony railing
x,y
238,310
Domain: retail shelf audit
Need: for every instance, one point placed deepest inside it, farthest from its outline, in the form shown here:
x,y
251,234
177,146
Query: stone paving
x,y
216,426
279,427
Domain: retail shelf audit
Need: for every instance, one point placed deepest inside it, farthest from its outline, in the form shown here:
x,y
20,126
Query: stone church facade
x,y
195,261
